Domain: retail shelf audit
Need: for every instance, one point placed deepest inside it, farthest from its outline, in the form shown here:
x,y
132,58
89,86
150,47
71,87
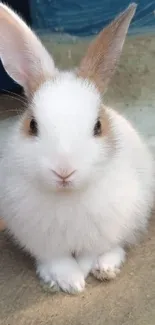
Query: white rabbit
x,y
76,180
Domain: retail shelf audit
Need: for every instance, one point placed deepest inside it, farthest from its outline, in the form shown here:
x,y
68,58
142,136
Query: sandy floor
x,y
130,299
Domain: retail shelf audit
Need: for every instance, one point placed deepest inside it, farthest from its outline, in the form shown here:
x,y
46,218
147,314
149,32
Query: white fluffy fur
x,y
108,200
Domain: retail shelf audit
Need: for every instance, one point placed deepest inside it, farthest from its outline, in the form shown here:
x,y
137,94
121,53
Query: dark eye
x,y
97,128
33,127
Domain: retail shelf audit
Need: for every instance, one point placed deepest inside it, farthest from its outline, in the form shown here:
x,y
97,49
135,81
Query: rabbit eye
x,y
97,128
33,127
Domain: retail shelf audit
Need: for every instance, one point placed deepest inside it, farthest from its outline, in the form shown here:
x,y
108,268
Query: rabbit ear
x,y
103,53
23,56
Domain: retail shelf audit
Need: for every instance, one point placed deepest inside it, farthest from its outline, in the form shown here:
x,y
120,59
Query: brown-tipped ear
x,y
22,54
104,52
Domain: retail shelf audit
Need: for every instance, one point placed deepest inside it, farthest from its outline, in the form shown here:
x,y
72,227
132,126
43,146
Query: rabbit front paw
x,y
108,265
62,275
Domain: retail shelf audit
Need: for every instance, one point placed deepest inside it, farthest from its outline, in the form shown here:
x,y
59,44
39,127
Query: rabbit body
x,y
85,223
77,181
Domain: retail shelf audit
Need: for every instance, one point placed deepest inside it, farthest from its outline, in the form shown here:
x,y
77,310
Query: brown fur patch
x,y
2,225
105,122
107,129
25,127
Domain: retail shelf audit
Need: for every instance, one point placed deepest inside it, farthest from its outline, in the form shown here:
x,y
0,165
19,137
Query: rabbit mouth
x,y
64,185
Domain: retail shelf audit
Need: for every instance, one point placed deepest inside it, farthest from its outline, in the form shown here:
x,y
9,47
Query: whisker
x,y
11,111
8,97
15,96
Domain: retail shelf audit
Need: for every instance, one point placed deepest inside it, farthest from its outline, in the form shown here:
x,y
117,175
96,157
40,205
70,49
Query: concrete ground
x,y
130,298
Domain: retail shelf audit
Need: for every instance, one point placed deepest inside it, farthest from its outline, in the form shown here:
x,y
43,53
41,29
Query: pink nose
x,y
63,176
